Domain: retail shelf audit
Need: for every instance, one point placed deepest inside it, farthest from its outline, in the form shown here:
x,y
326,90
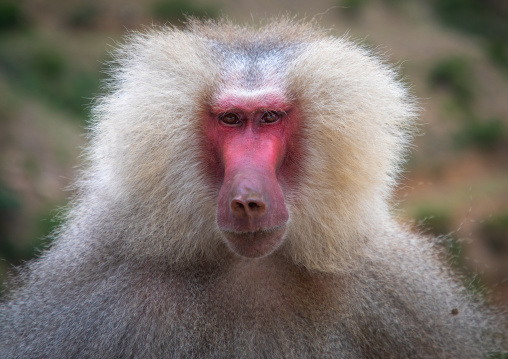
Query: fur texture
x,y
140,269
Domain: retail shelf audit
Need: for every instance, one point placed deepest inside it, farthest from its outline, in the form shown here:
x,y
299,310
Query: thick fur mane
x,y
356,116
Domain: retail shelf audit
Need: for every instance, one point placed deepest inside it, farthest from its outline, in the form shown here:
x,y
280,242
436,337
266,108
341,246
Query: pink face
x,y
249,135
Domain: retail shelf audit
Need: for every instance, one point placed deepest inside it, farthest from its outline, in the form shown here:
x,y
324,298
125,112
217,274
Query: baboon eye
x,y
230,119
271,117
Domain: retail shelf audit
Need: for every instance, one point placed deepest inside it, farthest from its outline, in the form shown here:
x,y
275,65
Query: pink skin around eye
x,y
252,212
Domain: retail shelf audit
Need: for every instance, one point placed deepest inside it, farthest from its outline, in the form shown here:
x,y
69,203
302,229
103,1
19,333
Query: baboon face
x,y
271,139
250,132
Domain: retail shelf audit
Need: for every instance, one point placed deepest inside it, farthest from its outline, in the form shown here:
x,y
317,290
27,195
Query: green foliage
x,y
38,237
47,222
495,233
394,2
11,16
352,7
498,355
10,205
47,63
8,104
39,69
486,18
498,54
484,135
171,10
83,15
455,75
436,220
8,200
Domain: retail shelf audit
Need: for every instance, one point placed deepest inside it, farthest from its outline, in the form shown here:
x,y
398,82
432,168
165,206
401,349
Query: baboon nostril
x,y
237,205
257,206
248,209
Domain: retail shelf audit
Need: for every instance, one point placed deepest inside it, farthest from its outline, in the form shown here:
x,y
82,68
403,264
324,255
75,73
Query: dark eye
x,y
271,117
230,119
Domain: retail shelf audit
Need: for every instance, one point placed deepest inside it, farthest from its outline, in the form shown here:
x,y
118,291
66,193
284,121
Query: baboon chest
x,y
252,313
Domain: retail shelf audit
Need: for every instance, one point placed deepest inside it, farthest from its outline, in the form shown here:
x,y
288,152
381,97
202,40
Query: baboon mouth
x,y
254,244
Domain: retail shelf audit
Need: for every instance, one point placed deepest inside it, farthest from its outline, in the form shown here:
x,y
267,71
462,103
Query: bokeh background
x,y
454,53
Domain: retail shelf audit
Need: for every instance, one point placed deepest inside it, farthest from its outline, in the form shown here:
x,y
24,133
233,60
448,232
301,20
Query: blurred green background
x,y
453,53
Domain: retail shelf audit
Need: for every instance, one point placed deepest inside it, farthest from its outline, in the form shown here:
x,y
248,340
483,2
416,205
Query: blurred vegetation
x,y
352,7
17,254
83,15
12,16
487,135
9,205
171,10
455,75
437,221
498,356
12,250
35,66
495,233
485,18
498,54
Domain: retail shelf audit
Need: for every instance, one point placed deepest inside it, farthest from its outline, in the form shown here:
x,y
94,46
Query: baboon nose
x,y
248,208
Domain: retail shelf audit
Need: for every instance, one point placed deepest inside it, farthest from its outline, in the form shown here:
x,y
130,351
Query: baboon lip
x,y
253,244
257,231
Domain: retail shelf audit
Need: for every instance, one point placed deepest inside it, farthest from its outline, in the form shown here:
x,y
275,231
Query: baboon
x,y
235,204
